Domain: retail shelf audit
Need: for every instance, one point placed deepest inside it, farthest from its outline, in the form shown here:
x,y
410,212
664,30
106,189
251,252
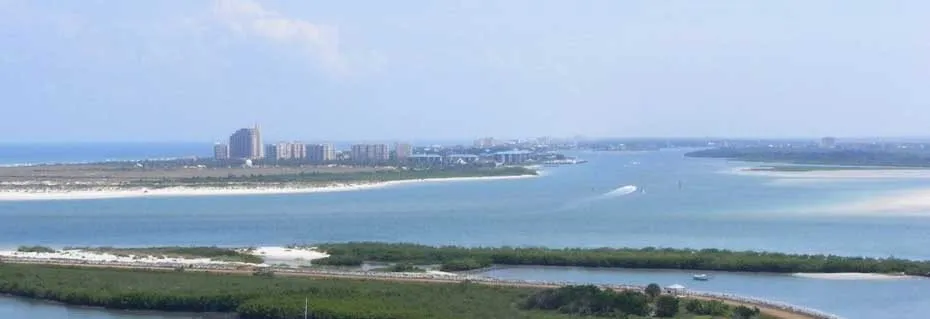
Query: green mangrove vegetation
x,y
266,297
35,249
820,156
262,296
590,300
404,267
454,258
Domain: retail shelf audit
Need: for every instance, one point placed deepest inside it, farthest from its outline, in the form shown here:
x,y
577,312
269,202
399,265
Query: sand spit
x,y
904,203
114,192
865,174
851,276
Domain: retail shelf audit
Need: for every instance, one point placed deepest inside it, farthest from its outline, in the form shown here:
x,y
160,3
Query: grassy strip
x,y
461,258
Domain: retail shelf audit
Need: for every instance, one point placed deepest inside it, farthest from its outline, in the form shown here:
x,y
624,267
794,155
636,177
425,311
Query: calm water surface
x,y
567,206
19,308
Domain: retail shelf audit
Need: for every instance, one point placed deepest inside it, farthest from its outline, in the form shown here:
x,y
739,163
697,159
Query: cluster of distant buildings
x,y
246,145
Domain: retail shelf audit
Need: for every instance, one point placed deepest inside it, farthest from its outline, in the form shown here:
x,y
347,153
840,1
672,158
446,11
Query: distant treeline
x,y
35,249
264,297
818,156
460,258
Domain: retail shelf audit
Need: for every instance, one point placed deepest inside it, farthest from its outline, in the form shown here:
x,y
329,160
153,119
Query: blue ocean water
x,y
680,202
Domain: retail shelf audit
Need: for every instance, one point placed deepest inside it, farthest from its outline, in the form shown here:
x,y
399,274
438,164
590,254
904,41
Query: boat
x,y
701,277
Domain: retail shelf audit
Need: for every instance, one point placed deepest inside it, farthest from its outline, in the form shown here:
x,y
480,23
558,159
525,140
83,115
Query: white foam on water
x,y
624,190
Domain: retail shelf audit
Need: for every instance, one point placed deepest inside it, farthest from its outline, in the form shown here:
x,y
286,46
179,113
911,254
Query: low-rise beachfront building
x,y
460,159
425,160
512,157
402,151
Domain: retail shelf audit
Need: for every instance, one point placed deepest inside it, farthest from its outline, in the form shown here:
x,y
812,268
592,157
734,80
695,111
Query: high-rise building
x,y
280,151
220,152
286,151
246,144
370,153
402,151
320,153
298,150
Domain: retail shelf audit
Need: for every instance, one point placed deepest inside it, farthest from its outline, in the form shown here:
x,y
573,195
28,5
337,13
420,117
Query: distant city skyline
x,y
184,71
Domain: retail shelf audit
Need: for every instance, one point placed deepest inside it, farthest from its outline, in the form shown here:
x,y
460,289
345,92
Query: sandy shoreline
x,y
863,174
272,255
15,195
851,276
905,202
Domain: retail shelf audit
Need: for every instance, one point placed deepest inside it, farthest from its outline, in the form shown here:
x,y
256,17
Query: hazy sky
x,y
187,70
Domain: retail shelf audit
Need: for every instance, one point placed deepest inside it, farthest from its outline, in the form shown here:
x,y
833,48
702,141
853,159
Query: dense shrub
x,y
278,297
35,249
651,258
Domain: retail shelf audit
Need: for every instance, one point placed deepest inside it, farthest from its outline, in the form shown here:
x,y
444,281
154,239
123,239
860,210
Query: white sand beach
x,y
272,255
98,257
284,254
850,276
113,192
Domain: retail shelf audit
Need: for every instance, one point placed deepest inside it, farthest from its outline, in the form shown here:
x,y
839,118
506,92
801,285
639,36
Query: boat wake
x,y
618,192
625,190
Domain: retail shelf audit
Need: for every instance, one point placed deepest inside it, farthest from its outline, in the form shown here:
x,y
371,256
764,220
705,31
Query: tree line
x,y
261,296
463,258
588,300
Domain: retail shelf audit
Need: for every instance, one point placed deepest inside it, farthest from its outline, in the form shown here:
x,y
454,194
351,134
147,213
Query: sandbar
x,y
866,174
911,202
